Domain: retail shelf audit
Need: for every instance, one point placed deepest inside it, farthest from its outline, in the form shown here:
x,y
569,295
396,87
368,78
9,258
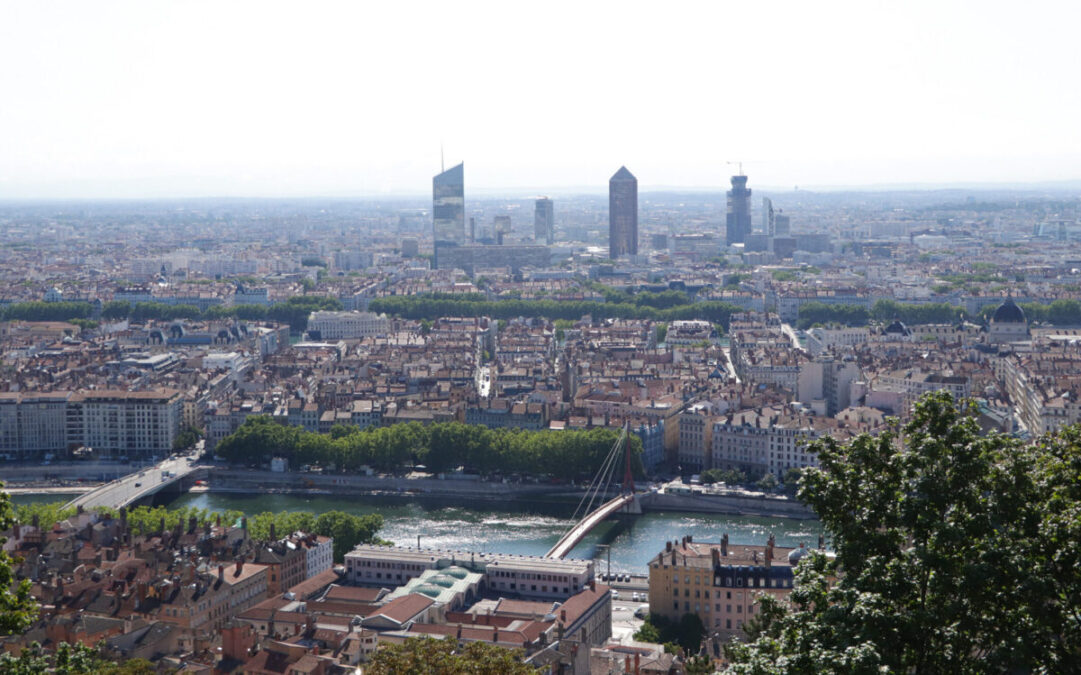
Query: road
x,y
484,381
787,330
133,486
624,623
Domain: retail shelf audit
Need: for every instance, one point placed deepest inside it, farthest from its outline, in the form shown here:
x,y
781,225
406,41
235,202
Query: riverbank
x,y
521,526
723,502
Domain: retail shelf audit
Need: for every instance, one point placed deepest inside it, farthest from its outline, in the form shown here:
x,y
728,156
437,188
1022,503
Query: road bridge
x,y
138,485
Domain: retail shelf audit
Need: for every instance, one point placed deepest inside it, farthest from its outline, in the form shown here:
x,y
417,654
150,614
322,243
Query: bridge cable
x,y
604,475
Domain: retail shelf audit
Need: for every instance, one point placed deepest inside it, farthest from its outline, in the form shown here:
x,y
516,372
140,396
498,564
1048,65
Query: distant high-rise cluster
x,y
544,222
769,222
448,206
622,214
738,221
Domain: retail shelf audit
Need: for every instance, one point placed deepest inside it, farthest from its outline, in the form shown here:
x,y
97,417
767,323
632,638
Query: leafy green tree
x,y
428,656
955,553
47,513
17,608
187,438
76,659
687,633
699,665
730,476
347,530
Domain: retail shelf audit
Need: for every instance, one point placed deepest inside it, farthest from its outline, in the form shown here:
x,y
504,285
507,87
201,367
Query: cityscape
x,y
580,407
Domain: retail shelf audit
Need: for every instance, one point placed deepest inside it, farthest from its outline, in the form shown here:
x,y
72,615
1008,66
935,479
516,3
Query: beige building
x,y
718,582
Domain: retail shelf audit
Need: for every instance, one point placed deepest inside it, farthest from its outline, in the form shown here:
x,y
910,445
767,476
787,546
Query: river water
x,y
523,527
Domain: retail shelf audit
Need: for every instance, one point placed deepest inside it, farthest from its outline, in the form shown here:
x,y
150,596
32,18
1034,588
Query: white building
x,y
527,576
348,325
320,554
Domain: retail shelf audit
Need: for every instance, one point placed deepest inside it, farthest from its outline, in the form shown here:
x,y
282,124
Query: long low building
x,y
515,575
347,325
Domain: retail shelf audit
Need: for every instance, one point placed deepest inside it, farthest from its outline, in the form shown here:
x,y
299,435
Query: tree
x,y
687,633
955,553
347,530
76,659
17,608
187,438
699,665
428,656
767,482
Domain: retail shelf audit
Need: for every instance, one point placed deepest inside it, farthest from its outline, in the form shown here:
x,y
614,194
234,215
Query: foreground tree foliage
x,y
955,553
74,659
17,608
427,656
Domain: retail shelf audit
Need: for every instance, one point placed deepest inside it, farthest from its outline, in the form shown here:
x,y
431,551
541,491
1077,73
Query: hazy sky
x,y
146,98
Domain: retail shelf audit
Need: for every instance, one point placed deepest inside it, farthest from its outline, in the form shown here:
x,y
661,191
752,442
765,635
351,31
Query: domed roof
x,y
456,572
1009,312
429,590
796,555
896,328
442,580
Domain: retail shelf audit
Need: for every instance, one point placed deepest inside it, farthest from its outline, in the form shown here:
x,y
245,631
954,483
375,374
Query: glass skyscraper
x,y
544,222
448,206
622,214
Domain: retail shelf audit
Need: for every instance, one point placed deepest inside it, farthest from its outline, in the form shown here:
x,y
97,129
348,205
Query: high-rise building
x,y
782,225
769,226
448,206
738,221
622,214
501,225
544,222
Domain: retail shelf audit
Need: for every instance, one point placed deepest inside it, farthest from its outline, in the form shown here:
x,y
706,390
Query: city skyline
x,y
114,102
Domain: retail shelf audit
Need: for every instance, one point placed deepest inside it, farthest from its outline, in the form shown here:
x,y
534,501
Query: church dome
x,y
1009,312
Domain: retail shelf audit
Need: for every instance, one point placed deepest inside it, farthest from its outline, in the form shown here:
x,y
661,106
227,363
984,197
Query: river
x,y
527,528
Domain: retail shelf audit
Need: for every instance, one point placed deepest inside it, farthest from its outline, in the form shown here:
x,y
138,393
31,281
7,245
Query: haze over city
x,y
152,99
553,339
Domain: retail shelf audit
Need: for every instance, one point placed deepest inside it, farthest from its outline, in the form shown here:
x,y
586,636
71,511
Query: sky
x,y
150,99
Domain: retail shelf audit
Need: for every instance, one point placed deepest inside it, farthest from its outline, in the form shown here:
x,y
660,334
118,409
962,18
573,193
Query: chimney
x,y
192,524
239,566
495,636
563,615
690,539
219,520
716,556
724,545
221,572
637,662
15,532
667,546
627,665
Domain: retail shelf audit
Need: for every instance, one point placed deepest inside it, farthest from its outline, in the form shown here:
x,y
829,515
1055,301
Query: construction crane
x,y
738,163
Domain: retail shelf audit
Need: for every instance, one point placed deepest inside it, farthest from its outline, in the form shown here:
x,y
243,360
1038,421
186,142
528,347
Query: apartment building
x,y
719,582
348,325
